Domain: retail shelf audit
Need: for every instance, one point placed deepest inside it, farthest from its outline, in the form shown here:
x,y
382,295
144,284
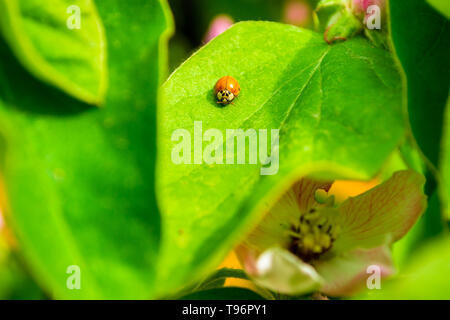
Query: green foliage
x,y
223,274
214,281
203,11
73,60
443,6
336,20
228,293
15,283
426,276
445,164
423,47
429,227
79,179
419,35
338,109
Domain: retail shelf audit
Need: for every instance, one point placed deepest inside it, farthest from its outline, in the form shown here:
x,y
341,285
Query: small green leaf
x,y
213,281
228,293
338,109
74,60
220,276
217,280
229,273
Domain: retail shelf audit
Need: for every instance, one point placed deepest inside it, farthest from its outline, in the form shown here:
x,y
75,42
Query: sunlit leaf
x,y
338,109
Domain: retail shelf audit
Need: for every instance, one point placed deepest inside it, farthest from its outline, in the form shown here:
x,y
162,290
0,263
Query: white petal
x,y
279,270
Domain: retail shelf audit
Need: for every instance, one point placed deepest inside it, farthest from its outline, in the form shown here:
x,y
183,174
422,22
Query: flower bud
x,y
218,25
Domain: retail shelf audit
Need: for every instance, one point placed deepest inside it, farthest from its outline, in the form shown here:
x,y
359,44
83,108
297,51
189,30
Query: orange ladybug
x,y
226,89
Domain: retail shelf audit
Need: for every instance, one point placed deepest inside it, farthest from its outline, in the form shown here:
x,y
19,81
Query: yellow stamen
x,y
313,235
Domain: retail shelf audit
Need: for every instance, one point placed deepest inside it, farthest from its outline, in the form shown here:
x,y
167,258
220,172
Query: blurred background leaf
x,y
80,180
203,11
425,277
73,60
15,281
194,18
419,35
429,227
445,164
443,6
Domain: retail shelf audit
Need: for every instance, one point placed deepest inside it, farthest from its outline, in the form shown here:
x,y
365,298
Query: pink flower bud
x,y
218,25
296,13
360,8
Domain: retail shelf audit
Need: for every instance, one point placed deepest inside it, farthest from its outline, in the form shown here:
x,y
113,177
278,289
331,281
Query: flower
x,y
304,244
360,6
296,13
2,223
218,25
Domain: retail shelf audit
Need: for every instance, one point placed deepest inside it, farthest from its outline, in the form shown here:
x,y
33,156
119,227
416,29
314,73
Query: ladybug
x,y
226,89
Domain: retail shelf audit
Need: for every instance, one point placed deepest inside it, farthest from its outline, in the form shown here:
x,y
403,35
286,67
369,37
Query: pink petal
x,y
383,214
274,229
347,273
279,270
247,257
305,191
219,25
2,222
360,6
296,13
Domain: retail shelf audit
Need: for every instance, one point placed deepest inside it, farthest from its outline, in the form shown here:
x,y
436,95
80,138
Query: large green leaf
x,y
338,108
73,60
421,41
80,180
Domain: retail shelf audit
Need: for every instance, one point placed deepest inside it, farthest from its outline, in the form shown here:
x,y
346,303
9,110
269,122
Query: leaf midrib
x,y
288,113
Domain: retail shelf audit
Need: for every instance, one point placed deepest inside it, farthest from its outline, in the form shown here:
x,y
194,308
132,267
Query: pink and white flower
x,y
303,245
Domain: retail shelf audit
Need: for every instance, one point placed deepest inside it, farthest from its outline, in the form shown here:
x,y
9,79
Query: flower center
x,y
313,235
